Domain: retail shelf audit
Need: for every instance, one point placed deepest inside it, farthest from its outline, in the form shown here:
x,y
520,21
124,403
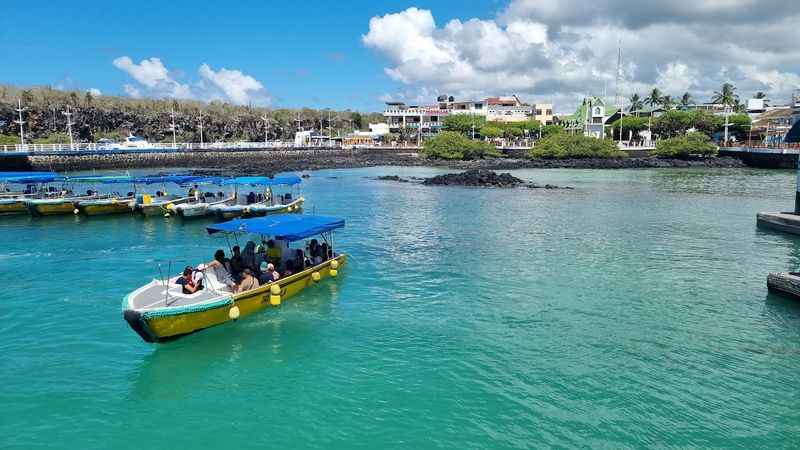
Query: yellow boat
x,y
13,206
53,206
159,311
105,206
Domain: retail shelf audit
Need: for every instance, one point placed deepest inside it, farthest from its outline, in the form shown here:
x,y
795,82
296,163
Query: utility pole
x,y
726,123
266,127
201,128
68,115
172,115
21,122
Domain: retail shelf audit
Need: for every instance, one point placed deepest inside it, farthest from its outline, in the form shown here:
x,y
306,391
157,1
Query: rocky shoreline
x,y
252,162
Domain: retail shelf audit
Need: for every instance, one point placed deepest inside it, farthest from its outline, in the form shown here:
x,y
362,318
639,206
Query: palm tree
x,y
726,96
666,102
686,99
760,94
636,103
654,98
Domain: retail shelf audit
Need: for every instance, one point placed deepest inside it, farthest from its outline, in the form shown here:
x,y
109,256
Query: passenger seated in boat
x,y
222,268
248,282
289,270
237,264
325,252
314,252
300,260
249,256
273,253
198,274
268,273
187,281
251,198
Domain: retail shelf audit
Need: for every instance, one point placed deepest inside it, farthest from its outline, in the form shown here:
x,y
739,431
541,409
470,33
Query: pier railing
x,y
154,147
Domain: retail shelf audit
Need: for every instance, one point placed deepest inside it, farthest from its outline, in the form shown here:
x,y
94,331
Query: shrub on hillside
x,y
685,146
562,145
453,145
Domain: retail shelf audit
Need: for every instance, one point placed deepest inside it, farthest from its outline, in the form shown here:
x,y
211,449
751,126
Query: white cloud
x,y
155,80
95,92
238,87
561,51
132,91
675,79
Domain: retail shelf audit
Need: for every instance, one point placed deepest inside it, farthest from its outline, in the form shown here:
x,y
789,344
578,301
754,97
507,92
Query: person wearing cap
x,y
198,275
248,281
268,273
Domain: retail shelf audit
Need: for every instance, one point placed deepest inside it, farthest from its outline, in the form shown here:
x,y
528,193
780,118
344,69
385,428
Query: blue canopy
x,y
177,179
291,227
26,179
4,175
265,181
205,180
105,179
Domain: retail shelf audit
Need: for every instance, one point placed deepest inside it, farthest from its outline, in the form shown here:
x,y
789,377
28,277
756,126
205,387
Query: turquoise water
x,y
630,312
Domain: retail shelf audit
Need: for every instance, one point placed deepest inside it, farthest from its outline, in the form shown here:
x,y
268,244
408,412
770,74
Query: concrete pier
x,y
784,283
781,221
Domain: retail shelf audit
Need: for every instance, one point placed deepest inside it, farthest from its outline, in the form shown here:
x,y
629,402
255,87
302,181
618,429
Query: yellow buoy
x,y
166,214
233,313
275,289
275,300
75,211
334,272
170,206
334,264
315,276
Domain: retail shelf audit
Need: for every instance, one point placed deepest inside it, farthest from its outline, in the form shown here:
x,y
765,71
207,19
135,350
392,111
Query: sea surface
x,y
630,312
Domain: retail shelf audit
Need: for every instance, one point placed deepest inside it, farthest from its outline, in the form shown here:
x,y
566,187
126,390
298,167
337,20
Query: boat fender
x,y
275,289
75,211
233,313
315,276
334,267
170,206
275,300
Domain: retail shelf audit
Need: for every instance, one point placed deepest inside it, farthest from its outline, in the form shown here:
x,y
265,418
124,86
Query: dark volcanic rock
x,y
392,178
475,177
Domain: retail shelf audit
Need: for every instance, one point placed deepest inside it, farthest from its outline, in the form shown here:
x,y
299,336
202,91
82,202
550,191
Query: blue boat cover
x,y
291,227
177,179
265,181
26,179
105,179
4,175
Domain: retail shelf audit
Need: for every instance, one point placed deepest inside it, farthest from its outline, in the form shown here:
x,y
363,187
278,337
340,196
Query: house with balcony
x,y
414,119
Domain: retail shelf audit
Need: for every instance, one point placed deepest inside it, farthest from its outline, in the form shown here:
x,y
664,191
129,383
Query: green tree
x,y
759,94
73,98
8,139
672,123
562,145
686,99
631,125
654,99
491,131
454,145
463,123
551,129
667,102
738,125
726,96
685,146
636,103
88,99
357,120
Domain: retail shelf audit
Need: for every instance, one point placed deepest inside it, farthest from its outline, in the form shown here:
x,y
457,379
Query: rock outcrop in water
x,y
475,177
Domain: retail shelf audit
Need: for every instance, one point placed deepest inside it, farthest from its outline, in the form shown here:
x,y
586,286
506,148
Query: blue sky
x,y
305,53
311,53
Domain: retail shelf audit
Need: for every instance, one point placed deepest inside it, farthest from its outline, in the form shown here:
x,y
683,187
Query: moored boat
x,y
162,203
106,206
53,206
13,206
160,311
17,202
253,204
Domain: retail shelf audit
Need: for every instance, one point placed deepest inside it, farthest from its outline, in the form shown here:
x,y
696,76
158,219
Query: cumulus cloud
x,y
95,92
562,51
155,80
236,86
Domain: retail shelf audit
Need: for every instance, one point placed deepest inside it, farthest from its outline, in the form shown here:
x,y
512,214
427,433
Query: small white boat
x,y
198,209
136,142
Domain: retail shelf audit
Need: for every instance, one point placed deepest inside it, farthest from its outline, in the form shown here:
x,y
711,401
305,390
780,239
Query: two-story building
x,y
421,120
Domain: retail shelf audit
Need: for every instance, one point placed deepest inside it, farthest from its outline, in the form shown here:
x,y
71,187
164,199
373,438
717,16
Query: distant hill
x,y
113,117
